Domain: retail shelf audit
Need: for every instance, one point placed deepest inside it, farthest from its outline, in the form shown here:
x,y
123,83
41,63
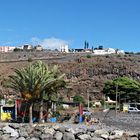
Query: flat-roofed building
x,y
27,47
4,49
64,48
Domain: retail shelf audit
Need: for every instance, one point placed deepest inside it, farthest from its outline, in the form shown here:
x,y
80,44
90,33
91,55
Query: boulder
x,y
104,136
5,137
12,138
49,130
15,134
92,134
36,133
71,130
58,135
84,137
134,138
130,134
14,126
101,132
119,132
46,136
78,131
1,133
95,138
8,130
55,127
91,129
68,136
33,138
23,133
114,137
29,129
62,129
21,138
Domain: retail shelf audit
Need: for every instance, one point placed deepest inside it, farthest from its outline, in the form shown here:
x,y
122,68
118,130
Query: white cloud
x,y
49,43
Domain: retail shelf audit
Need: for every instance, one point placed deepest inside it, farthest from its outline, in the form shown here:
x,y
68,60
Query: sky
x,y
110,23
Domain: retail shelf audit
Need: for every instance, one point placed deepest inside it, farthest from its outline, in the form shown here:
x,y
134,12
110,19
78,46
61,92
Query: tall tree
x,y
85,45
35,82
127,88
25,82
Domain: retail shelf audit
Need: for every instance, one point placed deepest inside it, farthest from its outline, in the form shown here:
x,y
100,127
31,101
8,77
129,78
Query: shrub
x,y
79,99
88,56
30,59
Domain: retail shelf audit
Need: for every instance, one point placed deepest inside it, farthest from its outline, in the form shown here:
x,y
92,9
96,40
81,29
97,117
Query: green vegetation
x,y
88,56
79,99
30,59
17,50
86,45
37,82
127,89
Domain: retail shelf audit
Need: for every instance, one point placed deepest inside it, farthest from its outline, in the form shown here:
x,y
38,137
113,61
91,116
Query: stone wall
x,y
61,132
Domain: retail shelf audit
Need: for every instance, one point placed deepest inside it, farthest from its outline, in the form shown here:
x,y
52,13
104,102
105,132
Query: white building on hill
x,y
107,51
64,48
4,49
27,47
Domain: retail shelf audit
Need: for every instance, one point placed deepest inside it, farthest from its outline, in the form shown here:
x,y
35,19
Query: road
x,y
120,120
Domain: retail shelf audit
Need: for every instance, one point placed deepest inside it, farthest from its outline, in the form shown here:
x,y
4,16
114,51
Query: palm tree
x,y
26,82
50,92
35,82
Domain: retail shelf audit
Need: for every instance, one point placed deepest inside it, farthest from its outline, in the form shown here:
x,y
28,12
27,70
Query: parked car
x,y
133,110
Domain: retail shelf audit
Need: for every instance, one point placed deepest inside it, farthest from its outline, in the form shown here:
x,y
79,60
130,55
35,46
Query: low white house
x,y
120,52
107,51
39,48
27,47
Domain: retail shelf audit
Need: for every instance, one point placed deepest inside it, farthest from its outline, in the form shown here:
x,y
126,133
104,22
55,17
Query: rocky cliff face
x,y
88,75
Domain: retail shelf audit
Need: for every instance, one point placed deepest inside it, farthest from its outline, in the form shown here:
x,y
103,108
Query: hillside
x,y
87,75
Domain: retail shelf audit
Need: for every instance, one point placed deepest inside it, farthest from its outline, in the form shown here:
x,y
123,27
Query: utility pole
x,y
119,102
104,102
88,99
116,97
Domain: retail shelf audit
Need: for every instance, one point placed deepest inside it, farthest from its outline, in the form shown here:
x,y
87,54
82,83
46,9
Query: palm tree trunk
x,y
31,113
41,120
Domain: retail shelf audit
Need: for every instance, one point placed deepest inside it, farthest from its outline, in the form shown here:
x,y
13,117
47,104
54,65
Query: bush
x,y
118,55
79,99
88,56
30,59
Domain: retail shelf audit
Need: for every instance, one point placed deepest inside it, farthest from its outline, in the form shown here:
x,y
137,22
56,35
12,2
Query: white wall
x,y
6,48
64,48
104,51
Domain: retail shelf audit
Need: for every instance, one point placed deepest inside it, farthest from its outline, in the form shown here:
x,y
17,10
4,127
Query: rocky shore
x,y
64,132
